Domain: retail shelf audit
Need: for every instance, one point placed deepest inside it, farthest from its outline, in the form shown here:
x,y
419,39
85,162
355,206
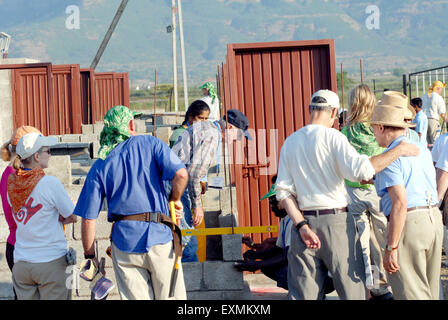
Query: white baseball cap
x,y
30,143
325,98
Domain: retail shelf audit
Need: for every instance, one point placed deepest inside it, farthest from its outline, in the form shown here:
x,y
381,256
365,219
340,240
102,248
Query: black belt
x,y
324,211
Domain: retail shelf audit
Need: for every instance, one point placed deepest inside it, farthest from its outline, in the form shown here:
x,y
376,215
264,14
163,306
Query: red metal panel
x,y
272,84
30,97
111,89
67,98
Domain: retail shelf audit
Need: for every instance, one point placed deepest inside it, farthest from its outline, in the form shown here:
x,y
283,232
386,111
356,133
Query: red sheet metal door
x,y
67,98
271,83
31,98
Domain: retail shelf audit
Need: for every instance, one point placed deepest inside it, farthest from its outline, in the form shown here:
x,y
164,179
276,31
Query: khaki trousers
x,y
433,127
419,257
41,281
147,276
340,254
371,224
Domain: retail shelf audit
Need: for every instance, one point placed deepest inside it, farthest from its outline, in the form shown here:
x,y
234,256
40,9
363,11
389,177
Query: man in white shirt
x,y
434,106
313,164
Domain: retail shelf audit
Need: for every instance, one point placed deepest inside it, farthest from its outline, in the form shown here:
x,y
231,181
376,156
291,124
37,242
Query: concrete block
x,y
69,138
227,220
226,205
164,134
231,247
98,127
140,125
167,120
60,167
87,128
90,137
211,200
193,275
95,147
220,275
6,292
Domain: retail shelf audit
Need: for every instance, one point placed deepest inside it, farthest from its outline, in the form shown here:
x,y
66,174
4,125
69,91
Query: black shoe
x,y
386,296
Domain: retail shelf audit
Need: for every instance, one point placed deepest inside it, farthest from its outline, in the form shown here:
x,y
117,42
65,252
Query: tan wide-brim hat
x,y
395,98
389,115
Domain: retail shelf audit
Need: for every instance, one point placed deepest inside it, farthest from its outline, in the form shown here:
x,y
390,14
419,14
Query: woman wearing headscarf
x,y
211,98
434,107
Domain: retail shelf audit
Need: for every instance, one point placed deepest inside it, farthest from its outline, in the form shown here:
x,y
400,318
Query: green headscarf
x,y
211,90
116,129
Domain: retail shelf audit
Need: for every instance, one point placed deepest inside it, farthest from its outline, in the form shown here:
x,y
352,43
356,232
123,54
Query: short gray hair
x,y
321,108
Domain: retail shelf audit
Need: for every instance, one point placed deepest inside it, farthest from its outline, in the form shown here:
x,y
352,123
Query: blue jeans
x,y
190,243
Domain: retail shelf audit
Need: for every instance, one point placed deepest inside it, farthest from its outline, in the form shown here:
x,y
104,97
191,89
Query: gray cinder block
x,y
193,275
87,128
69,138
61,168
220,275
231,247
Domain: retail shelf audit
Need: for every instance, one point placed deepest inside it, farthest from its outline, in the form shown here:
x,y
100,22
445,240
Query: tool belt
x,y
157,217
324,211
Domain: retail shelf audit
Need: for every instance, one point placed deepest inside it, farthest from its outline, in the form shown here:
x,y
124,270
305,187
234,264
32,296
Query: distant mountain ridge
x,y
411,35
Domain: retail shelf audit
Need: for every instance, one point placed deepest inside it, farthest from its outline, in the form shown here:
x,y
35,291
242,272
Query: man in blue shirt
x,y
407,188
129,174
420,119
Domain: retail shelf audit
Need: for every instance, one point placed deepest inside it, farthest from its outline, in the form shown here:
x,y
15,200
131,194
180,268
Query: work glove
x,y
247,265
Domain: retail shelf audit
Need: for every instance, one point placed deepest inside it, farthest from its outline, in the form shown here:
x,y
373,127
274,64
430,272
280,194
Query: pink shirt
x,y
6,207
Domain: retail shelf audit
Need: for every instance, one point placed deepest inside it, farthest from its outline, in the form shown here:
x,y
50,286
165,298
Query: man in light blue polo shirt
x,y
129,174
421,120
407,188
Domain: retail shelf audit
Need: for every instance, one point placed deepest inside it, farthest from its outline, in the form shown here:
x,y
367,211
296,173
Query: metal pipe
x,y
182,52
173,19
109,33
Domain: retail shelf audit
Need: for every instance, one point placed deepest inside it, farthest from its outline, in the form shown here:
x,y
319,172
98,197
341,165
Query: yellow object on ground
x,y
228,230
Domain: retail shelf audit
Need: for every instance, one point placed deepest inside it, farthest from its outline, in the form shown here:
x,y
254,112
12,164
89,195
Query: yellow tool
x,y
176,266
228,230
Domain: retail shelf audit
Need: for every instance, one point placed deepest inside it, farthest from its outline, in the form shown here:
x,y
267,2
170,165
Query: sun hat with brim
x,y
270,193
389,115
30,143
395,98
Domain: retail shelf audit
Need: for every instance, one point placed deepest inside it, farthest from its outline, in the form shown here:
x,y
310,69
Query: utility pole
x,y
182,52
173,18
109,34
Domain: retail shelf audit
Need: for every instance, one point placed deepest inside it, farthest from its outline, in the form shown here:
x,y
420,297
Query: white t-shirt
x,y
433,105
214,108
438,147
284,233
40,236
313,164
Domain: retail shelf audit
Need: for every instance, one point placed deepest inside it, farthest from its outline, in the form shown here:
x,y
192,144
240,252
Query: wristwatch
x,y
301,224
89,256
390,248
